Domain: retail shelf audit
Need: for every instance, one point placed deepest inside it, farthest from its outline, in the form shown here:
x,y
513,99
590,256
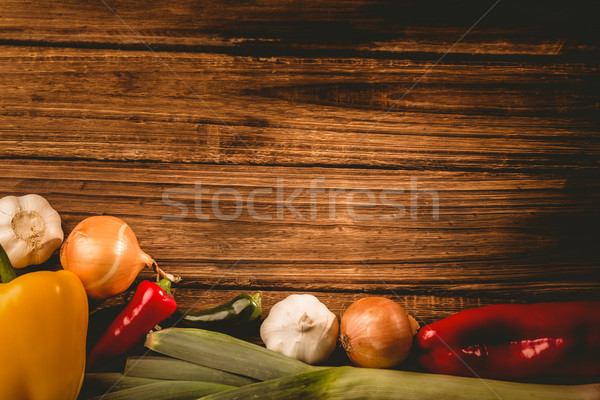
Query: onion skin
x,y
104,253
376,332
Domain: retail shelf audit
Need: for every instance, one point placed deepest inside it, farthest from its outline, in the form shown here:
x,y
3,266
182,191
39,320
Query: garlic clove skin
x,y
302,327
30,229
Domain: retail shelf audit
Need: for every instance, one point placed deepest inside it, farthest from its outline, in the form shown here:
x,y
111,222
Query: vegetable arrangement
x,y
48,315
281,377
43,355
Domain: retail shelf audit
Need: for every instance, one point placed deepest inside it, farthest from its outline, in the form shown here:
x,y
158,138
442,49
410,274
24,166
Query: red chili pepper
x,y
149,306
515,341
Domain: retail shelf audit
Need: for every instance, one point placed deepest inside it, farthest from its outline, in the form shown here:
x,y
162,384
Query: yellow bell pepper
x,y
43,324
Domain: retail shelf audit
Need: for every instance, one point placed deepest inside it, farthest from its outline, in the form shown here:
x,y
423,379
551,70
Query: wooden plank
x,y
503,235
457,184
383,27
113,105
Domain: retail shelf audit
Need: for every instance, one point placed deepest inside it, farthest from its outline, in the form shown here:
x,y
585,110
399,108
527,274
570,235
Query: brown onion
x,y
104,253
376,332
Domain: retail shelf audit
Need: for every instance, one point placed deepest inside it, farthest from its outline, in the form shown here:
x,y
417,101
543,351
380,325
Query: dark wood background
x,y
103,113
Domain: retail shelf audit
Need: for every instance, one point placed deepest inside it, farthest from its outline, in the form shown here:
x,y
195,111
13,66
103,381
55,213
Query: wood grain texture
x,y
383,27
507,235
356,96
110,105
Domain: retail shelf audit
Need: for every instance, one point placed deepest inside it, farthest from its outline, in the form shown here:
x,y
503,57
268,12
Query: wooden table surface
x,y
444,153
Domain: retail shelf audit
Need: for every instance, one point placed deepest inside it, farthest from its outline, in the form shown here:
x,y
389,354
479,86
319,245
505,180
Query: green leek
x,y
171,390
172,369
96,384
223,352
348,383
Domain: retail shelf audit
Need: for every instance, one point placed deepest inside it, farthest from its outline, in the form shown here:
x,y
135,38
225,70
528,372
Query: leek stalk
x,y
349,383
172,369
223,352
171,390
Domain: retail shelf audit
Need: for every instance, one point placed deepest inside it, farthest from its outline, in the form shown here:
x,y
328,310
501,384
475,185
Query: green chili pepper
x,y
241,310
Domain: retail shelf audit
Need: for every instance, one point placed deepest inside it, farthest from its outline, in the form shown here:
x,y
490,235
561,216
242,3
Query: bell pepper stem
x,y
7,272
165,285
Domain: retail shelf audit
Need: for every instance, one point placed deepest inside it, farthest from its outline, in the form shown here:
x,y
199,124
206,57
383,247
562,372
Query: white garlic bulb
x,y
30,229
302,327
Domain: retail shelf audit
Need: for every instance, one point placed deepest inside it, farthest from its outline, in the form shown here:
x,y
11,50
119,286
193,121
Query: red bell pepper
x,y
515,341
149,305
